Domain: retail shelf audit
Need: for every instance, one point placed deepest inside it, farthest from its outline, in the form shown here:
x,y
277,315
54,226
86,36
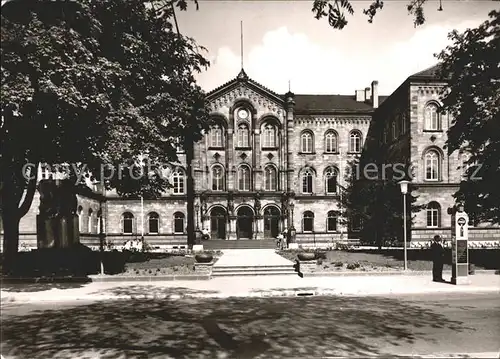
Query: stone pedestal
x,y
57,232
307,267
203,268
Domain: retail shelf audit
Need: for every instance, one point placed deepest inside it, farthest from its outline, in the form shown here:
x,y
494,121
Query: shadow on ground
x,y
231,328
151,290
39,287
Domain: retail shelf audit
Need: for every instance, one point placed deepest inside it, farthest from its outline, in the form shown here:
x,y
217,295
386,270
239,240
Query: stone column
x,y
260,226
232,228
257,174
290,103
230,160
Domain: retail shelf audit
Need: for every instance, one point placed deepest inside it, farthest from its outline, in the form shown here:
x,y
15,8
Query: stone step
x,y
240,244
253,273
254,268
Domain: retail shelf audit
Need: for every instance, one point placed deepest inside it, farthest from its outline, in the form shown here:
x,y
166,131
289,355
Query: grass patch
x,y
387,260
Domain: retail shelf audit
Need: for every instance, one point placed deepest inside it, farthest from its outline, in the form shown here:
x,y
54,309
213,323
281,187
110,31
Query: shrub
x,y
338,264
353,266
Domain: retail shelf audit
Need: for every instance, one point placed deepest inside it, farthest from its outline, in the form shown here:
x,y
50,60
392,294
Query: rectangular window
x,y
127,226
308,224
307,184
332,224
432,218
179,225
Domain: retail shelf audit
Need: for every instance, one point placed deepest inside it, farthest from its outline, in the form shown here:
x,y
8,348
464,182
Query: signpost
x,y
460,248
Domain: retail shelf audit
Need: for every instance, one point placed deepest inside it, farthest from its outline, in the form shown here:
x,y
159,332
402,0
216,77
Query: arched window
x,y
308,221
307,181
270,178
433,215
331,142
216,136
127,223
244,178
243,136
178,181
331,180
331,221
394,132
431,165
179,222
217,178
355,142
90,220
153,223
269,136
432,118
307,142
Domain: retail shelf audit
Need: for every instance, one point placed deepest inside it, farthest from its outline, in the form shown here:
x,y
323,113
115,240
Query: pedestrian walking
x,y
437,252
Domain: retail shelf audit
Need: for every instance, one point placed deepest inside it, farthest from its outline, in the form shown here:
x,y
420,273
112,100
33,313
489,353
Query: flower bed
x,y
418,260
160,264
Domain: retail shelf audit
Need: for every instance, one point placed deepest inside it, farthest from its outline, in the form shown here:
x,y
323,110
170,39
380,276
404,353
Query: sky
x,y
283,42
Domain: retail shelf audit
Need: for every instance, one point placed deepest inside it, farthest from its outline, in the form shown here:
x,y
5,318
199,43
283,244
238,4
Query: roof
x,y
243,77
431,73
325,103
304,104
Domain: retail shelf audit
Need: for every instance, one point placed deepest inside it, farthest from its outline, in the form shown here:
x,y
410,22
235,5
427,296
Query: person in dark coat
x,y
437,251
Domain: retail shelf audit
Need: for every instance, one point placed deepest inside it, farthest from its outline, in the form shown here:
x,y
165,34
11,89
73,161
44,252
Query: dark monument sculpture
x,y
57,223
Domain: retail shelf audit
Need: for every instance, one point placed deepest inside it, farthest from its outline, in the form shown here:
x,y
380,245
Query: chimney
x,y
367,93
375,94
360,95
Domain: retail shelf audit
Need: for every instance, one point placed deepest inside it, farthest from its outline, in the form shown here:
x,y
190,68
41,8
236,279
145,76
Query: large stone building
x,y
273,161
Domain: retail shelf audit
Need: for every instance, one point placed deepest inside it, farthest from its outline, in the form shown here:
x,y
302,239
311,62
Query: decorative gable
x,y
261,103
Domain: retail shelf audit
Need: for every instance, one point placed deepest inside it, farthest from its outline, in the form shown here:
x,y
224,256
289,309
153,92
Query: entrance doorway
x,y
244,224
218,223
271,222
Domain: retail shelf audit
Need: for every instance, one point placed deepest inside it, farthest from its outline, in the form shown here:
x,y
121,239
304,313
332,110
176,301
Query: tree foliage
x,y
377,202
96,84
335,10
471,65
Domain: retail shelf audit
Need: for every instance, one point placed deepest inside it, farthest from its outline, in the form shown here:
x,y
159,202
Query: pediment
x,y
240,88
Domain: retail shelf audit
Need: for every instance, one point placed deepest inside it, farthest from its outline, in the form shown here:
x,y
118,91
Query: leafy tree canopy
x,y
472,97
97,82
94,84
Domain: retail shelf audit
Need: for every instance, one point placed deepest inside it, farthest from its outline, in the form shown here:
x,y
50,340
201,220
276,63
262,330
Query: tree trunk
x,y
12,210
10,236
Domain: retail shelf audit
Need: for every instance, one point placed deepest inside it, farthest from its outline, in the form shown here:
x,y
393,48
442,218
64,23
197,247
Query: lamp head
x,y
404,186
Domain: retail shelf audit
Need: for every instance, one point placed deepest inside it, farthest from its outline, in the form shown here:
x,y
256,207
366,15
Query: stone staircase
x,y
252,262
221,244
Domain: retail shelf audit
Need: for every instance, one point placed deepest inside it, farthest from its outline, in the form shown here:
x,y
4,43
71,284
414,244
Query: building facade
x,y
409,129
273,161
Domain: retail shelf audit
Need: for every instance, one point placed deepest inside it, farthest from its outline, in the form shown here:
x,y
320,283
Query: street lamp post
x,y
404,191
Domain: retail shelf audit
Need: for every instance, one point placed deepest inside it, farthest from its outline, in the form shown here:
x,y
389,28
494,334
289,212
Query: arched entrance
x,y
218,223
244,224
271,222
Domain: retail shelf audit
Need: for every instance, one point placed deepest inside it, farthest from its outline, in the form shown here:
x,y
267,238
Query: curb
x,y
167,278
493,355
253,294
389,273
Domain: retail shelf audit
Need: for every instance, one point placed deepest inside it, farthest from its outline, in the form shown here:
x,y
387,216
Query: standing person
x,y
437,252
